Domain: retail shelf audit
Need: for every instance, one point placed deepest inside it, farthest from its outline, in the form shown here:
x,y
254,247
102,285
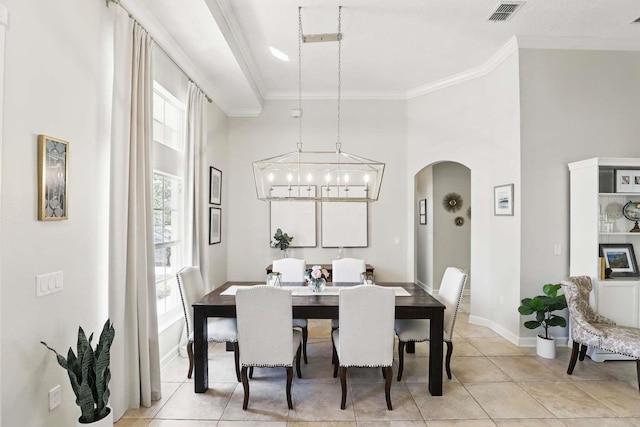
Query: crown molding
x,y
4,15
579,43
245,112
345,95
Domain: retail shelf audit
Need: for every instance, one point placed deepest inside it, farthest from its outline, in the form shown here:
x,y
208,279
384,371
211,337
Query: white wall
x,y
476,123
575,105
373,129
451,243
424,232
56,83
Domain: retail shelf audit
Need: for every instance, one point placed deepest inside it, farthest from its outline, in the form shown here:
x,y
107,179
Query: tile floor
x,y
494,384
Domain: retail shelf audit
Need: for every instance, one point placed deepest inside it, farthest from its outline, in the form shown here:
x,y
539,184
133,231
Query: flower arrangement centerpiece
x,y
317,278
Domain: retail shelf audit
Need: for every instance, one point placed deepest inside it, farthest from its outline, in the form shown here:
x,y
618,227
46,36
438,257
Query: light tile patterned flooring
x,y
494,384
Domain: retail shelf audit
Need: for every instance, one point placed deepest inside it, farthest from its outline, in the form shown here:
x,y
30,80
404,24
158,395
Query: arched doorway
x,y
443,233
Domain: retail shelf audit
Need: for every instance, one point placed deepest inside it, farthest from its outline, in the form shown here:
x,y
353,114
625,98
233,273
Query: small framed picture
x,y
620,258
215,186
503,200
422,210
215,225
627,181
53,168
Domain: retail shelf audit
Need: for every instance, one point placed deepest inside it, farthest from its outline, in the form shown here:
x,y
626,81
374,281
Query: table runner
x,y
303,291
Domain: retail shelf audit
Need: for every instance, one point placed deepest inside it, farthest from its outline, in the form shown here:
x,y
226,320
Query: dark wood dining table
x,y
419,305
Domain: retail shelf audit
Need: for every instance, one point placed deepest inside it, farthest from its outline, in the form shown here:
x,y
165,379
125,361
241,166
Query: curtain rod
x,y
117,2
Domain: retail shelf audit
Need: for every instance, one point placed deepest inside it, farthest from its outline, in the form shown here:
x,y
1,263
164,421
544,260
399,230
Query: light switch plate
x,y
49,283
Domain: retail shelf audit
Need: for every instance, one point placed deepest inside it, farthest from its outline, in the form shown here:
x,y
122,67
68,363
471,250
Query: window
x,y
167,238
168,200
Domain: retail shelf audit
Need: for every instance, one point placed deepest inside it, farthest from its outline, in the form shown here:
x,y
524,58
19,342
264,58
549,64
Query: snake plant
x,y
89,373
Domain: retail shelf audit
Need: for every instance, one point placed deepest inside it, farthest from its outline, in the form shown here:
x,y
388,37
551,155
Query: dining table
x,y
412,302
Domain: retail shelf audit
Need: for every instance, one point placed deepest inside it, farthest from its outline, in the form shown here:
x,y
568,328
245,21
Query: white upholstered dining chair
x,y
292,270
348,270
218,329
365,334
417,330
265,334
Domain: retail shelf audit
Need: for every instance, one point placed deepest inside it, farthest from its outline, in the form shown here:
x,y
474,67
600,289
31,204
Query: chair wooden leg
x,y
583,352
334,357
343,384
574,357
401,345
384,373
638,372
289,381
335,367
305,335
190,354
245,386
447,363
298,362
251,372
387,385
236,356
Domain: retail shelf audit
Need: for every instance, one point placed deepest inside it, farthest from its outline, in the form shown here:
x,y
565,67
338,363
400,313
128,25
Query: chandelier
x,y
328,176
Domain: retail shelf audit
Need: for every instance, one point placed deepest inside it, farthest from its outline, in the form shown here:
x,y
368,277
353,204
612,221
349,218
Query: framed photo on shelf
x,y
215,185
503,200
627,181
53,169
215,225
620,258
423,211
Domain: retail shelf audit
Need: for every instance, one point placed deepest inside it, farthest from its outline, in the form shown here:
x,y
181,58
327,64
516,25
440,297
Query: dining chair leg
x,y
190,354
447,363
638,372
298,362
583,351
289,381
251,372
343,384
574,357
334,358
401,345
387,385
245,386
335,368
384,373
305,335
236,357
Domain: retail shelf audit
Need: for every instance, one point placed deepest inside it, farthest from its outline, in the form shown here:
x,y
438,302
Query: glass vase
x,y
317,285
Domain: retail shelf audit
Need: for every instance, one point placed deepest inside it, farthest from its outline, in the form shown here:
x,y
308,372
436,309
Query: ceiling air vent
x,y
505,10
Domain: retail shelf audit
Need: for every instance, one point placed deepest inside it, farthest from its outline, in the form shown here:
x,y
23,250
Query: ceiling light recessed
x,y
505,10
279,54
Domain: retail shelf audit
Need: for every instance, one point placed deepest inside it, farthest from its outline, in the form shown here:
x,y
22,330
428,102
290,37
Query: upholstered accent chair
x,y
265,334
591,329
218,329
417,330
292,270
365,334
347,270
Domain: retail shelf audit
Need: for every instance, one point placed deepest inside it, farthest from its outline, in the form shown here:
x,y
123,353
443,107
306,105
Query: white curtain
x,y
135,366
196,198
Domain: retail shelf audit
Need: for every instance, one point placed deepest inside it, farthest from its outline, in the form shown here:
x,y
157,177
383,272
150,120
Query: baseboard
x,y
428,288
169,357
531,341
514,339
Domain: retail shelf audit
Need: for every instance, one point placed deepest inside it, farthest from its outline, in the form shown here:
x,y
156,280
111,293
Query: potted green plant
x,y
89,374
282,241
544,306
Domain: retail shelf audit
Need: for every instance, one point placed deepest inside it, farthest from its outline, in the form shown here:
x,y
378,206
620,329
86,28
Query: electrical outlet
x,y
397,240
55,397
557,249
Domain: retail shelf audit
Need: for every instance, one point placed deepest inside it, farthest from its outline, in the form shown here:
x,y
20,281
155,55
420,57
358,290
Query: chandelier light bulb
x,y
289,177
328,178
270,177
309,178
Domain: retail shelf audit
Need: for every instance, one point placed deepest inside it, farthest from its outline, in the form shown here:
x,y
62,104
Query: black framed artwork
x,y
620,258
215,186
215,225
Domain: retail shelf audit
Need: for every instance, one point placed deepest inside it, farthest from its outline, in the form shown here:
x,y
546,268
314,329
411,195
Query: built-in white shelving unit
x,y
592,194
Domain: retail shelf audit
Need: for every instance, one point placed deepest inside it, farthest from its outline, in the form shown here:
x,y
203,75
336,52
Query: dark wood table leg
x,y
435,354
229,346
411,347
200,351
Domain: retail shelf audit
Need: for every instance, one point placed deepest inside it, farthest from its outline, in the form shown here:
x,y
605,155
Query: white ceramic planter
x,y
105,422
546,347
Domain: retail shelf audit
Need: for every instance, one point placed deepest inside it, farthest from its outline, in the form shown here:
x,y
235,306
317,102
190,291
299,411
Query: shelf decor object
x,y
503,200
620,258
631,211
338,172
53,172
627,181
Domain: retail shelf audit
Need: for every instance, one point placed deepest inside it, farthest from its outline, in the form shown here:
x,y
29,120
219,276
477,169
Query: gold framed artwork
x,y
53,169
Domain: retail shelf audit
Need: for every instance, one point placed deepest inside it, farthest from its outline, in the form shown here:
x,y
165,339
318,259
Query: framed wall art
x,y
297,218
53,170
620,258
627,181
422,210
503,200
344,224
215,225
215,186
